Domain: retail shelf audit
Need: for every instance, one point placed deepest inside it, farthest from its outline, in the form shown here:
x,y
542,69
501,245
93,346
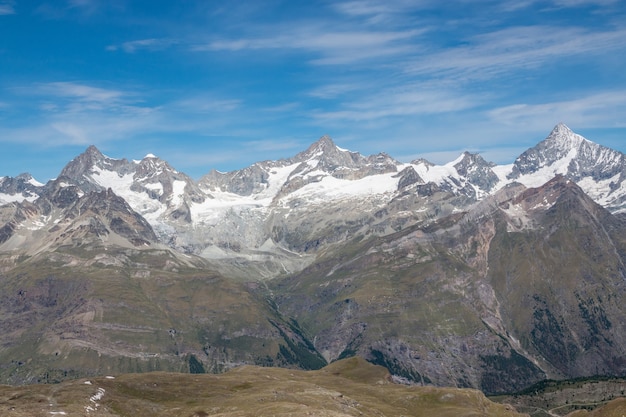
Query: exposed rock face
x,y
497,297
21,188
600,170
477,172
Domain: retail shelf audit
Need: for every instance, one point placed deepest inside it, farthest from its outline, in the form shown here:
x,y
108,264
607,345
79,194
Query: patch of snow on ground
x,y
333,188
15,198
36,224
35,182
112,180
435,173
501,172
94,400
178,191
212,210
140,202
546,173
599,190
158,187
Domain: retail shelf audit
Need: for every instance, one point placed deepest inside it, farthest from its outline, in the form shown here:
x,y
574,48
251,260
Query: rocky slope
x,y
527,284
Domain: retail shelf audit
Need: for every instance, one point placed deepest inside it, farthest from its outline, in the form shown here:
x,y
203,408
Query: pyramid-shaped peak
x,y
92,150
561,129
323,144
323,147
82,163
564,137
473,158
326,141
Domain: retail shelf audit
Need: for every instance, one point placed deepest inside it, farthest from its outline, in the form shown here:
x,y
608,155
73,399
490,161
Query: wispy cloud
x,y
151,44
378,12
81,92
206,104
7,8
596,110
74,113
547,5
331,91
329,47
400,102
516,48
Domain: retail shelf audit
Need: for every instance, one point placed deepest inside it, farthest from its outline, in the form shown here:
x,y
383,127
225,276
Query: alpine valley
x,y
467,274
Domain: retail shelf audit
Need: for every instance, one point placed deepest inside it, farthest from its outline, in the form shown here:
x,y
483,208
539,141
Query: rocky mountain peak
x,y
78,166
562,146
82,168
25,176
18,184
323,143
567,153
477,171
468,160
153,166
323,148
562,137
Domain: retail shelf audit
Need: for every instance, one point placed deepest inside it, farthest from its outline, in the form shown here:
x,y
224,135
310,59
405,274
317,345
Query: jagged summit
x,y
560,148
323,148
82,168
325,142
564,138
22,187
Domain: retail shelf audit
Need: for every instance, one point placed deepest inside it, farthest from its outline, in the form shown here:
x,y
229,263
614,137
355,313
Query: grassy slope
x,y
347,388
602,395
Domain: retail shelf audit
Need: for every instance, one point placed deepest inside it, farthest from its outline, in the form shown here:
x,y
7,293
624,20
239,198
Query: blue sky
x,y
221,84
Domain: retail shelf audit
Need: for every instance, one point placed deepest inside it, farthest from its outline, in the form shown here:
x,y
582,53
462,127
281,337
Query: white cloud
x,y
516,48
331,91
207,104
380,12
81,92
150,44
332,47
404,101
7,8
595,110
582,3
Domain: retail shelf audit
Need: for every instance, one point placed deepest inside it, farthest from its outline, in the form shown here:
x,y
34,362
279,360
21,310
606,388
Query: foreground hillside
x,y
347,388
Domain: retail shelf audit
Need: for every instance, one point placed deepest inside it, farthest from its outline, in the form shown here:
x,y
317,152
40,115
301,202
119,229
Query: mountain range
x,y
466,274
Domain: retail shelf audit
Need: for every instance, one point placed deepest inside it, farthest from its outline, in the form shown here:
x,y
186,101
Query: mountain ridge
x,y
258,200
447,274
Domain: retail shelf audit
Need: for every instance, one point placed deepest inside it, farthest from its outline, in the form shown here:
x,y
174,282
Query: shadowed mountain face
x,y
79,312
466,274
510,292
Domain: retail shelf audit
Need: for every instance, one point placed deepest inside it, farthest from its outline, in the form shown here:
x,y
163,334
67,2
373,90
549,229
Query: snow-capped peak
x,y
322,147
562,137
